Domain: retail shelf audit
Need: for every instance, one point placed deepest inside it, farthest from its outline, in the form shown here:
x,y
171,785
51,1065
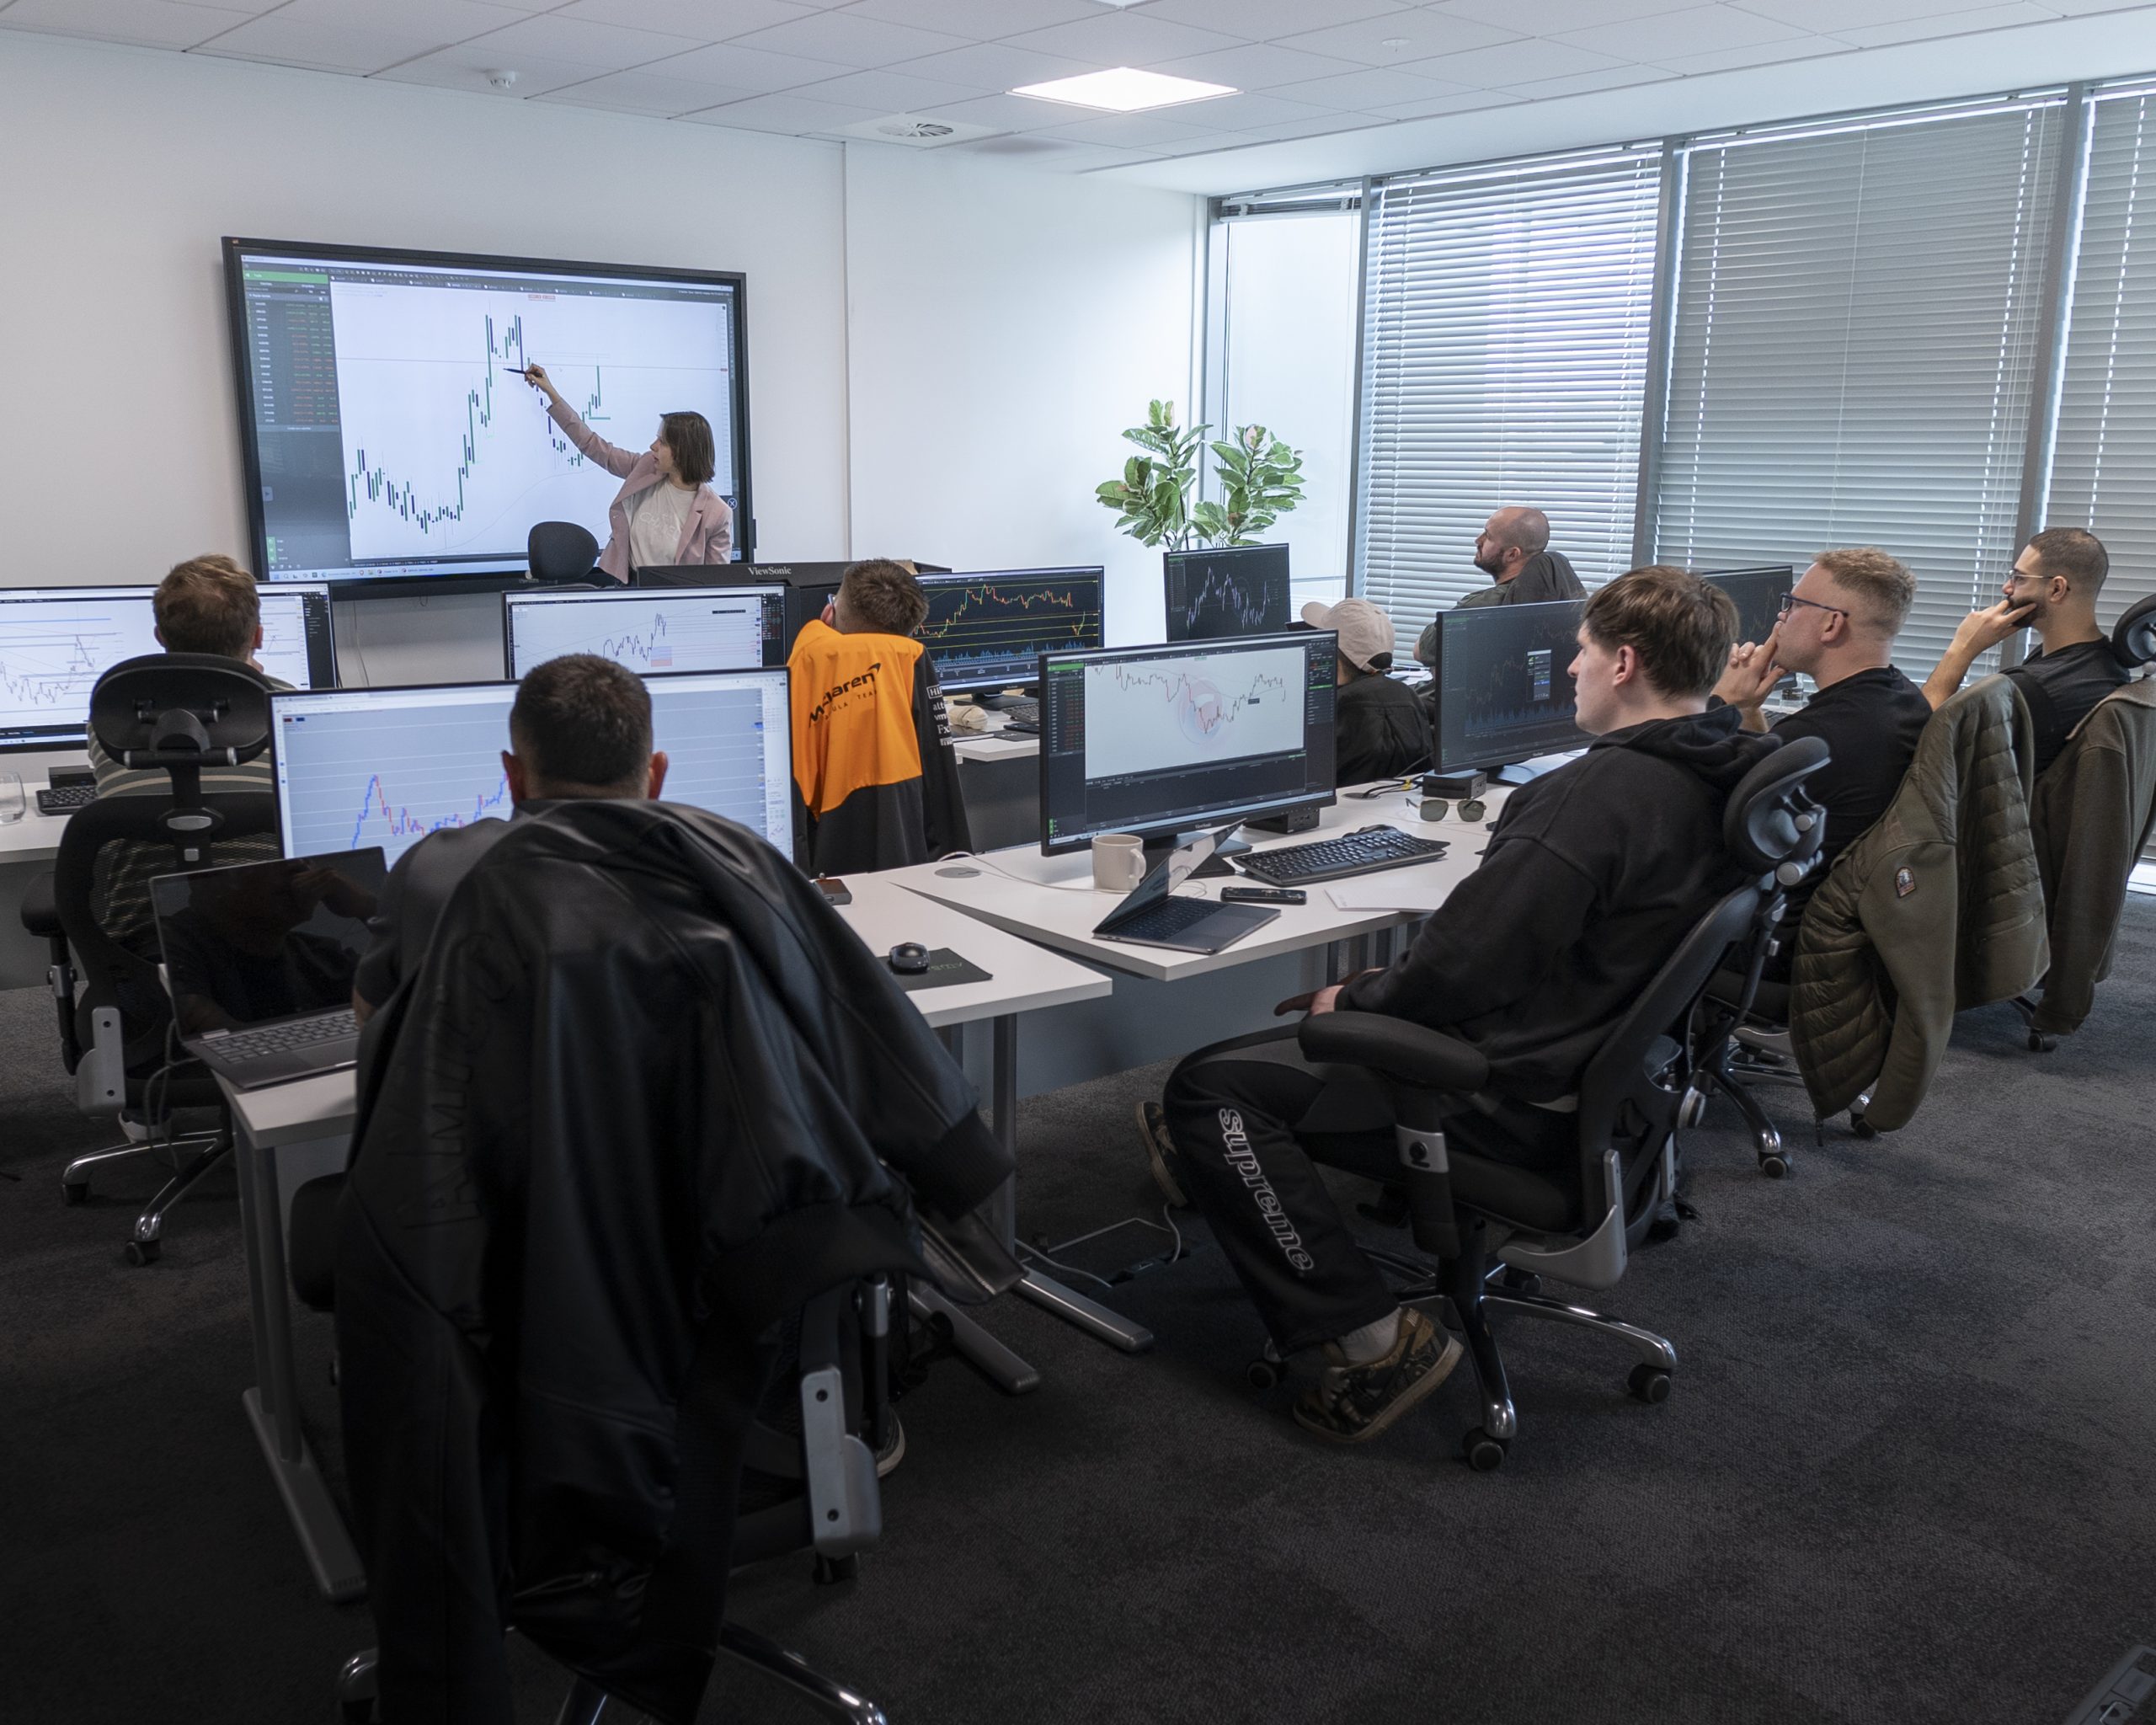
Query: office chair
x,y
562,552
817,1491
1578,1222
180,711
2085,884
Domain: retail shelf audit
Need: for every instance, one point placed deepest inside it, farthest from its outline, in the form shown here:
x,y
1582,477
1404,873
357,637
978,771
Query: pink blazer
x,y
706,537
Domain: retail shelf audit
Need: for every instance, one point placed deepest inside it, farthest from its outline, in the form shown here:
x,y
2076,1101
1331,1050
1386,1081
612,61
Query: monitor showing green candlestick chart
x,y
388,432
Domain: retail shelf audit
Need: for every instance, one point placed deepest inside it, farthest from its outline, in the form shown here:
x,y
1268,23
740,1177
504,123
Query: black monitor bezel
x,y
1787,571
946,578
1185,822
1167,577
237,247
614,594
1481,759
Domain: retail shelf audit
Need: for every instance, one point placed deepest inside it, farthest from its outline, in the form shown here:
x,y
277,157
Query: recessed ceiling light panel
x,y
1124,90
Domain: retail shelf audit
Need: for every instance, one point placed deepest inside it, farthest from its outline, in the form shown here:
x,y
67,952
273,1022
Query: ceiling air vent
x,y
915,132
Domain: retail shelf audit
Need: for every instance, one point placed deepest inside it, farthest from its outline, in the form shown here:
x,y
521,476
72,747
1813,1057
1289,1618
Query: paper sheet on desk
x,y
1385,893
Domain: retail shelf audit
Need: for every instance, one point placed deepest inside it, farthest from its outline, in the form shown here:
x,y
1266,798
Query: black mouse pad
x,y
945,968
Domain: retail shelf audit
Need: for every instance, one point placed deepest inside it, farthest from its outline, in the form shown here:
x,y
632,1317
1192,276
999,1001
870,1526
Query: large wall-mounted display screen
x,y
387,431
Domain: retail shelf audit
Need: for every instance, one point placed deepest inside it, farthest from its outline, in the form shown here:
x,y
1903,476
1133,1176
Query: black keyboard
x,y
1168,918
1336,859
285,1038
1022,712
58,799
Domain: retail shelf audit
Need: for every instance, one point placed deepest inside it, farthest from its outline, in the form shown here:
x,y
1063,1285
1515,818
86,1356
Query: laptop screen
x,y
263,941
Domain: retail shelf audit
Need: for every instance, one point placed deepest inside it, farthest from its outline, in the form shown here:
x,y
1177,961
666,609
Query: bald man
x,y
1514,550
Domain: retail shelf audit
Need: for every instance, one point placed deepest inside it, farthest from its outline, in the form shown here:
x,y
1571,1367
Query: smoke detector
x,y
916,131
502,80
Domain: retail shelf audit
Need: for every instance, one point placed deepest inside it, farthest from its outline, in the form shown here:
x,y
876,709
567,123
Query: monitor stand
x,y
1212,868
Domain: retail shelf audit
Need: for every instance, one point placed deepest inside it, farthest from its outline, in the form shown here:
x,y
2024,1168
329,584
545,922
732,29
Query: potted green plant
x,y
1261,479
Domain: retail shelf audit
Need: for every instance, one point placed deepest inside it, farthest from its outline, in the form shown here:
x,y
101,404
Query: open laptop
x,y
260,959
1149,918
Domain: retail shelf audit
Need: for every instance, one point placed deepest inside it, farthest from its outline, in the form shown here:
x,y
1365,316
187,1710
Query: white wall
x,y
119,452
1005,327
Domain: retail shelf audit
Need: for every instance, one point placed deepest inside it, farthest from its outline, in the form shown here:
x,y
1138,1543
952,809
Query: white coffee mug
x,y
1118,861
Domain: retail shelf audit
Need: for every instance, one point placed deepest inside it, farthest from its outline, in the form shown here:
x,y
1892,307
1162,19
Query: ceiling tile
x,y
1548,18
699,20
1371,88
1464,103
150,24
601,47
465,69
1578,83
1696,29
1287,130
642,93
1003,113
995,67
783,114
1951,23
1259,67
2079,9
1830,18
1514,63
1424,35
885,92
977,20
291,38
1763,54
1242,113
1134,132
1124,39
1056,155
850,40
740,68
1261,20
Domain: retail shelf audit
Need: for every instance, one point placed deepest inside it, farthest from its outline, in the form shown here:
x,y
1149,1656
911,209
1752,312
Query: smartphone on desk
x,y
1264,895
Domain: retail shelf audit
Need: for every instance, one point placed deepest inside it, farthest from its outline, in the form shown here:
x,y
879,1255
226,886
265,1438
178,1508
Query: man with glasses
x,y
2054,590
1838,627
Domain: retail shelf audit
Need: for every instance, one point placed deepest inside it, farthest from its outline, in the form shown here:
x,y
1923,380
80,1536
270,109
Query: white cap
x,y
1365,632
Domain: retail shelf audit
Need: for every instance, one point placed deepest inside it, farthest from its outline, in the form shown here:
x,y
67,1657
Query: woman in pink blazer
x,y
665,512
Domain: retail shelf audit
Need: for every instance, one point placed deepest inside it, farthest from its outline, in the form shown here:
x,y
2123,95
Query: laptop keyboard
x,y
285,1038
1168,918
1336,859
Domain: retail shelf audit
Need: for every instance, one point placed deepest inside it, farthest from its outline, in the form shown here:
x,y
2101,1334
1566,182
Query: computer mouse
x,y
909,957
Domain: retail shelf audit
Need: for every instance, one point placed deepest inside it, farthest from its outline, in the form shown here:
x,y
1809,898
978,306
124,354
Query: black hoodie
x,y
1595,875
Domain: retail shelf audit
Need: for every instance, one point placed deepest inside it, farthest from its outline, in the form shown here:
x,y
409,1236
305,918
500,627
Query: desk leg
x,y
273,1404
1045,1291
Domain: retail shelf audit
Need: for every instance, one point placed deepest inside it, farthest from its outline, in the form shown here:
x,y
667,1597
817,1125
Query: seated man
x,y
580,727
1514,550
1378,724
206,605
1838,628
2054,590
1596,873
871,743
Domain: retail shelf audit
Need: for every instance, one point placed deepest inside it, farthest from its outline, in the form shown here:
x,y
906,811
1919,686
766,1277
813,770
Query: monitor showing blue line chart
x,y
649,629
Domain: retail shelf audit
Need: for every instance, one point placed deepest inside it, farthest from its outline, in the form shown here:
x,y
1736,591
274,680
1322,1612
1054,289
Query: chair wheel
x,y
1650,1384
1862,1127
143,1252
2041,1044
1520,1282
74,1191
1774,1166
1263,1374
828,1572
1482,1452
1693,1109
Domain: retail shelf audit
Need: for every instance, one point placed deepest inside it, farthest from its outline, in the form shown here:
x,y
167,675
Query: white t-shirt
x,y
656,518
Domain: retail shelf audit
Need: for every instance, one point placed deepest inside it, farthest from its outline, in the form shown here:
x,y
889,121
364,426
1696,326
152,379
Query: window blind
x,y
1507,311
2104,449
1857,317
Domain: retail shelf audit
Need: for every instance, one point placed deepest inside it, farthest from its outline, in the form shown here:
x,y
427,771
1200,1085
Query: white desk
x,y
992,745
1023,977
35,838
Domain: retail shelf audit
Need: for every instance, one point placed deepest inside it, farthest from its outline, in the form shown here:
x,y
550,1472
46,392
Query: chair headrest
x,y
2133,637
560,550
172,709
1771,823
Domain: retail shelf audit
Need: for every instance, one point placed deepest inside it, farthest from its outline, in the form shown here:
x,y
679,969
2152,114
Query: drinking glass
x,y
12,806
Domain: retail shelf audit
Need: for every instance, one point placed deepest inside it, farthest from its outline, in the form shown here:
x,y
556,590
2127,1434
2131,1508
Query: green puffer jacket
x,y
2092,813
1937,908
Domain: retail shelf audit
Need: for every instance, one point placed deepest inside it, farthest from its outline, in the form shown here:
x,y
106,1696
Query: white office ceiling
x,y
1305,69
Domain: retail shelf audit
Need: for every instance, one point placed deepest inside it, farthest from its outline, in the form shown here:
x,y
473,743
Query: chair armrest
x,y
1411,1053
40,910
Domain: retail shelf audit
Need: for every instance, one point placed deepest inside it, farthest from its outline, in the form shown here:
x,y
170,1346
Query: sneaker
x,y
893,1450
1351,1404
1160,1152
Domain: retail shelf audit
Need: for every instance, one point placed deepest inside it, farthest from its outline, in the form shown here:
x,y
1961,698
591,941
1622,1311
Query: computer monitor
x,y
1503,689
1154,740
1758,593
56,642
682,629
987,629
1236,589
387,766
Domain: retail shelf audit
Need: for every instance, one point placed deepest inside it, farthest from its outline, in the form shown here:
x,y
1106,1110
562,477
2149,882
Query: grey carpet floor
x,y
1906,1474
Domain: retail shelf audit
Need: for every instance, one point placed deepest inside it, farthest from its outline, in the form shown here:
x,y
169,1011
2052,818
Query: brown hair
x,y
208,605
1681,626
689,436
584,723
1882,584
885,596
2076,553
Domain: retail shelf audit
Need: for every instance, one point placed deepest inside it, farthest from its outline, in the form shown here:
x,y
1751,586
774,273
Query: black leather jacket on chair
x,y
647,1094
